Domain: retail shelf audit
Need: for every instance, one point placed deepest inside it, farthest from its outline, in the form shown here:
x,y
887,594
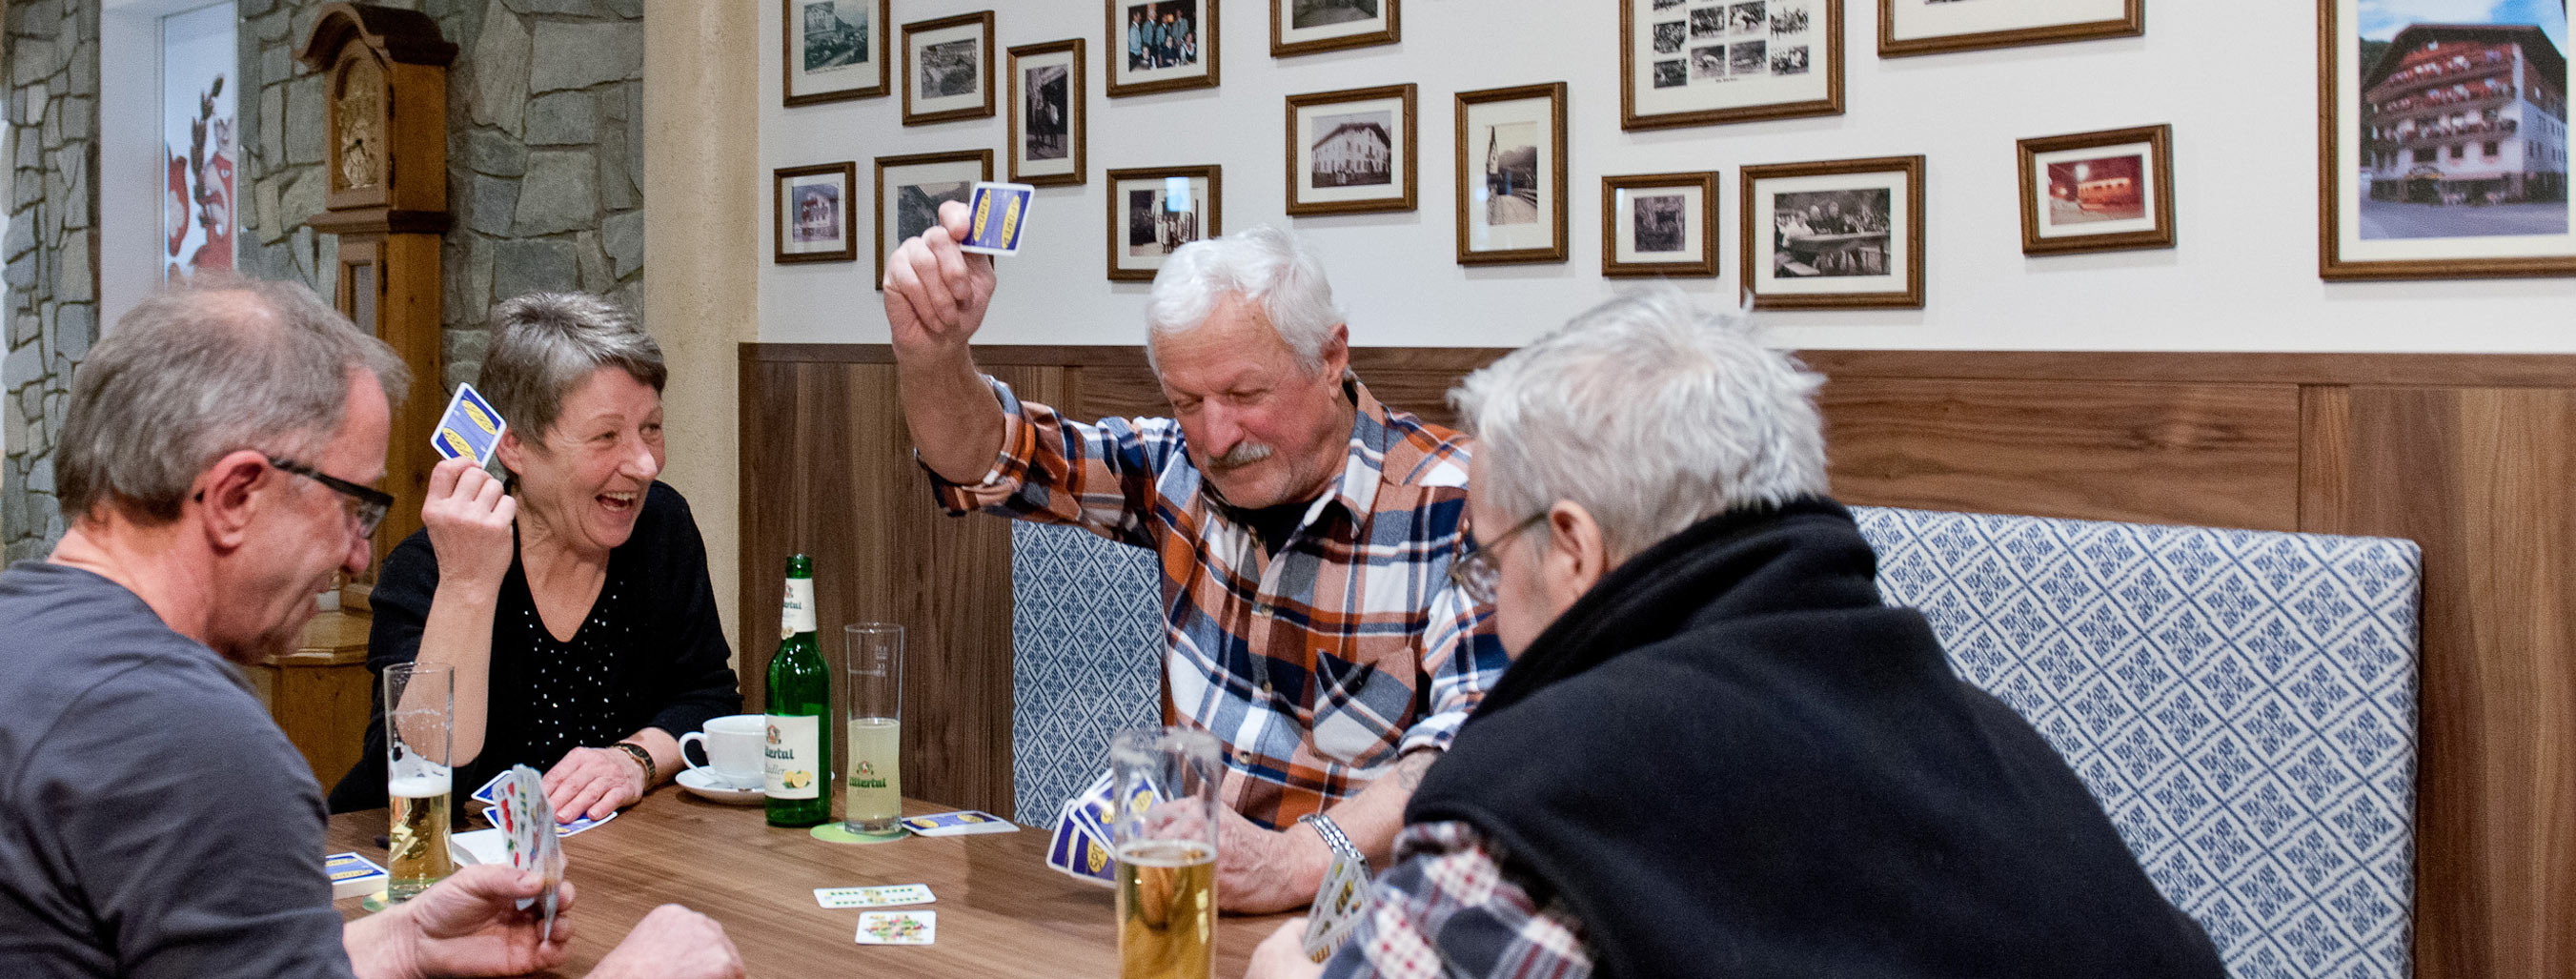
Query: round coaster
x,y
375,902
837,831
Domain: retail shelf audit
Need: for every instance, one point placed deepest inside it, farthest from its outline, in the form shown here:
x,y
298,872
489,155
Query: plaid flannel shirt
x,y
1448,910
1317,668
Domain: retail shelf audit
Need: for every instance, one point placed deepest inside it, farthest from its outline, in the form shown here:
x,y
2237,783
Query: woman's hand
x,y
469,519
593,782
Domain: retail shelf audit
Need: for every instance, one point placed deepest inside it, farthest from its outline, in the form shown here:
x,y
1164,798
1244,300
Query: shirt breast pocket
x,y
1361,712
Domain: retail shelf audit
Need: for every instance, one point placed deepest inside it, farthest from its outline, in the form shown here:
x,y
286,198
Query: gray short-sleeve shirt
x,y
153,820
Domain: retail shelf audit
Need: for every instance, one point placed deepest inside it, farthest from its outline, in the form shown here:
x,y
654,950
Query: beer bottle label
x,y
790,758
797,613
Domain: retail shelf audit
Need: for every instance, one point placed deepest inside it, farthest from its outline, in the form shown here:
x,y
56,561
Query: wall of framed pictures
x,y
2207,238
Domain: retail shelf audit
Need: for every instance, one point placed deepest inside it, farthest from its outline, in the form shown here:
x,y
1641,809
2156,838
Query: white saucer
x,y
706,786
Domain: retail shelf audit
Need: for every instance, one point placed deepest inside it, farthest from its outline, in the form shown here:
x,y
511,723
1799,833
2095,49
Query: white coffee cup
x,y
732,745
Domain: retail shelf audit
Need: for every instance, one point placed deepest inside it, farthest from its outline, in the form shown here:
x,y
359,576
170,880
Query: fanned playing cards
x,y
528,823
1338,905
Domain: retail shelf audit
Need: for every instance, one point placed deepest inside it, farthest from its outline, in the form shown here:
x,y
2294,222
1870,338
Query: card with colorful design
x,y
469,427
873,897
898,927
964,822
998,214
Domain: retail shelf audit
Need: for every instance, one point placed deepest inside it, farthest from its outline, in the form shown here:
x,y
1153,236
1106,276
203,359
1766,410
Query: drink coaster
x,y
837,831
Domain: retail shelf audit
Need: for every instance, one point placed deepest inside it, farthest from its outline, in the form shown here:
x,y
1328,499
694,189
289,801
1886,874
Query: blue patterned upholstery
x,y
1087,644
2241,702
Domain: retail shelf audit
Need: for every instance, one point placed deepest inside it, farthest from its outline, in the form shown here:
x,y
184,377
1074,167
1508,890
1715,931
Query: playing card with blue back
x,y
997,216
469,427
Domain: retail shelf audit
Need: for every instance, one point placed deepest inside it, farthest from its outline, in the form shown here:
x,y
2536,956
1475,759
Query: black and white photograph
x,y
1511,175
948,69
1311,26
1910,27
1153,211
1741,61
834,50
1658,224
1351,151
1667,4
814,212
910,189
1047,128
1161,45
1841,234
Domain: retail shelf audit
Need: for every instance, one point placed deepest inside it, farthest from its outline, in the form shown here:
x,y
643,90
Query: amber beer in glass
x,y
420,714
1164,782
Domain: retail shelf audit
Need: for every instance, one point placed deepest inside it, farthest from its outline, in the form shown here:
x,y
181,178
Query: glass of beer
x,y
1164,783
420,714
872,790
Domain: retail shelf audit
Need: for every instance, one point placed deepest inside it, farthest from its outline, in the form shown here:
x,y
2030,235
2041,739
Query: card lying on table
x,y
963,822
873,897
469,427
898,927
1000,214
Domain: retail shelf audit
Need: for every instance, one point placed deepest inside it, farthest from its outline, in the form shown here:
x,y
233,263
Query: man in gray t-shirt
x,y
153,821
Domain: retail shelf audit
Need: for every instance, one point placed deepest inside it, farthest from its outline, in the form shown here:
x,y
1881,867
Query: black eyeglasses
x,y
366,503
1480,569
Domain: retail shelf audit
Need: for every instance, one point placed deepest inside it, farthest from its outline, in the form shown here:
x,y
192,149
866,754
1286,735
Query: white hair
x,y
1263,265
1650,413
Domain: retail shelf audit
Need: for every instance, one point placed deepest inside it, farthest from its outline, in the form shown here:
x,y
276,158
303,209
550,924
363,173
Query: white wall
x,y
2235,79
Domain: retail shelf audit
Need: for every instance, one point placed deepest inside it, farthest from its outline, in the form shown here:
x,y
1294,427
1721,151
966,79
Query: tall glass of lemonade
x,y
873,798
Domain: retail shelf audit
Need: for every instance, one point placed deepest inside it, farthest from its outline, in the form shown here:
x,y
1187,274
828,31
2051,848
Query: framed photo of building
x,y
911,188
816,217
1351,151
1659,224
1049,119
1910,27
1842,234
948,68
1511,175
1161,45
2443,144
1699,64
833,50
2097,192
1154,211
1309,26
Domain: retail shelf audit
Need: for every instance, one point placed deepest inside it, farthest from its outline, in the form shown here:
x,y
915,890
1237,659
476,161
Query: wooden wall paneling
x,y
2478,477
2325,458
2220,455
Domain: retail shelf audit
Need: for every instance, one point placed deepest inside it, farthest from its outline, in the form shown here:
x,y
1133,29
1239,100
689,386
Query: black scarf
x,y
1730,759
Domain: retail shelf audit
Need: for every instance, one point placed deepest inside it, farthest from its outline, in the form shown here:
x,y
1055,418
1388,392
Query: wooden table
x,y
1002,911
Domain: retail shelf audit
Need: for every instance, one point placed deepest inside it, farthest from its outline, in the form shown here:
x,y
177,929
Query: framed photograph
x,y
834,49
2097,192
1908,27
1511,175
1160,46
1153,211
1657,224
948,68
1700,64
1351,151
1049,124
2443,143
1309,26
911,188
1843,234
817,219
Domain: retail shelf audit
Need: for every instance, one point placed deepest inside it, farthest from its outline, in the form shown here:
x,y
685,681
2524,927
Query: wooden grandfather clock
x,y
385,71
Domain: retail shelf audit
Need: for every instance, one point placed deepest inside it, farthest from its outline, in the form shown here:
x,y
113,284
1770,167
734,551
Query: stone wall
x,y
52,254
544,153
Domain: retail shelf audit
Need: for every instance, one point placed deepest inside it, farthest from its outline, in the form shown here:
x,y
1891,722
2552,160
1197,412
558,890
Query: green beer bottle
x,y
795,761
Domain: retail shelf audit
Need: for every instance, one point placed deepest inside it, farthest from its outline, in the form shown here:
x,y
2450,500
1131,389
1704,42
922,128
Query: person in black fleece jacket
x,y
1717,751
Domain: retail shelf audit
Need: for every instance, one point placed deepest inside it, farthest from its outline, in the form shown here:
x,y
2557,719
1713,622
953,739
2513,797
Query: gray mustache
x,y
1243,454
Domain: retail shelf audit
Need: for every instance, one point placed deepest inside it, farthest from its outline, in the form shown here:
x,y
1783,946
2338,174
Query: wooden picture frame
x,y
1838,234
1741,62
1912,27
1143,227
1517,137
1184,56
1311,26
814,216
832,50
1659,225
1353,151
2110,190
2427,141
948,69
1050,121
921,182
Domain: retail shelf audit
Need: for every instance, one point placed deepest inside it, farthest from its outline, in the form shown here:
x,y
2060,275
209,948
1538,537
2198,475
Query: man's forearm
x,y
1372,818
956,423
379,945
